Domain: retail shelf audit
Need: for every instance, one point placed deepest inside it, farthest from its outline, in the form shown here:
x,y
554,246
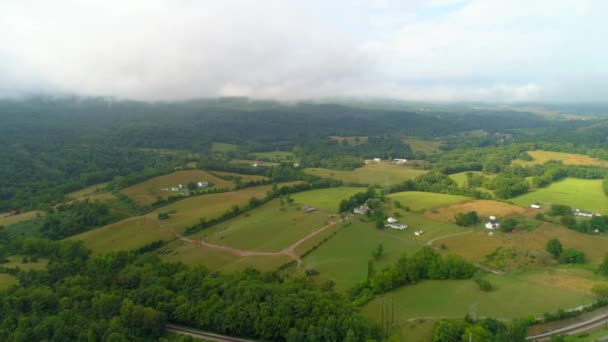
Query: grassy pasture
x,y
223,147
243,177
383,174
419,145
15,261
528,247
354,140
484,208
274,156
7,220
147,192
137,231
514,296
585,194
325,199
418,201
267,228
541,157
88,191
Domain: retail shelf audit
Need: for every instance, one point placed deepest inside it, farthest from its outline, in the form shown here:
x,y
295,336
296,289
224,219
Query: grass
x,y
354,140
541,157
267,228
137,231
584,194
418,201
250,162
419,145
88,191
383,174
275,156
15,261
243,177
325,199
149,191
6,281
344,257
223,147
7,220
484,209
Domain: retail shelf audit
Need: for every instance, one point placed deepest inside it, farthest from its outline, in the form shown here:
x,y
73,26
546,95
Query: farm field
x,y
88,191
541,157
514,296
419,145
484,208
243,177
354,140
137,231
148,191
7,220
584,194
325,199
418,201
250,162
461,177
267,228
223,147
383,174
275,156
432,229
344,257
528,248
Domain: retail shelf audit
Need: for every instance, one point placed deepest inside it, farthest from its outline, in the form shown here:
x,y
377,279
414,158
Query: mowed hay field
x,y
243,177
137,231
223,147
418,201
96,189
514,297
425,146
6,219
526,244
218,260
267,228
584,194
343,258
541,157
275,156
325,199
384,174
484,209
147,192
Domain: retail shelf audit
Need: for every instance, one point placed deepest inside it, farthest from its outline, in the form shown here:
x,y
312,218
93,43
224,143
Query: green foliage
x,y
484,284
507,185
490,330
603,268
347,205
600,291
163,216
71,219
554,247
466,219
560,210
508,225
572,256
378,252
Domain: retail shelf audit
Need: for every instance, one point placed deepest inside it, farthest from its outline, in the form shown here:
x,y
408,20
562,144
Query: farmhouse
x,y
202,184
399,161
399,226
296,165
308,209
534,206
493,223
419,232
362,210
582,213
174,188
377,160
391,220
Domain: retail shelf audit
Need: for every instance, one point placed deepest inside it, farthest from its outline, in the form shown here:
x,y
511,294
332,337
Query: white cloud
x,y
441,50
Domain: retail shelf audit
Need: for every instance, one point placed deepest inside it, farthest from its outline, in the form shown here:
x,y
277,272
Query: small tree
x,y
508,225
603,269
397,204
466,219
572,256
600,291
378,252
554,247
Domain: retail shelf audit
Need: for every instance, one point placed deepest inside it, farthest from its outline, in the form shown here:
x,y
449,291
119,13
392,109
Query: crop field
x,y
243,177
147,192
7,220
137,231
275,156
267,228
425,146
513,297
344,257
383,174
223,147
219,260
484,208
355,140
541,157
584,194
325,199
418,201
525,248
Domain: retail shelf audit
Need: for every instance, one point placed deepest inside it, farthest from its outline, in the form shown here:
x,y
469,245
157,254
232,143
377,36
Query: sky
x,y
434,50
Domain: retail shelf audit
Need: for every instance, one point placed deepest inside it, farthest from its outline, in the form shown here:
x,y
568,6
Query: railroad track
x,y
598,321
178,329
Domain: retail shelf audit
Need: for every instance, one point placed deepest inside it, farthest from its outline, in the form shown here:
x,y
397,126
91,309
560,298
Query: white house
x,y
174,188
362,210
398,226
377,160
419,232
582,213
391,220
399,161
296,165
202,184
534,206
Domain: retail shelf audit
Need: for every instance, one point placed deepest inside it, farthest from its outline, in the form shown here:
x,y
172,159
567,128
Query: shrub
x,y
466,219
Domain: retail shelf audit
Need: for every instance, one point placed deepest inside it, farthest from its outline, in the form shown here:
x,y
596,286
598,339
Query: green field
x,y
326,199
7,280
274,156
425,146
7,220
243,177
541,157
223,147
383,174
149,191
267,228
137,231
344,257
419,201
583,194
514,297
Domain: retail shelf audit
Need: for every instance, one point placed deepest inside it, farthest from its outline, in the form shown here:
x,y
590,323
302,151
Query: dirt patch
x,y
484,208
